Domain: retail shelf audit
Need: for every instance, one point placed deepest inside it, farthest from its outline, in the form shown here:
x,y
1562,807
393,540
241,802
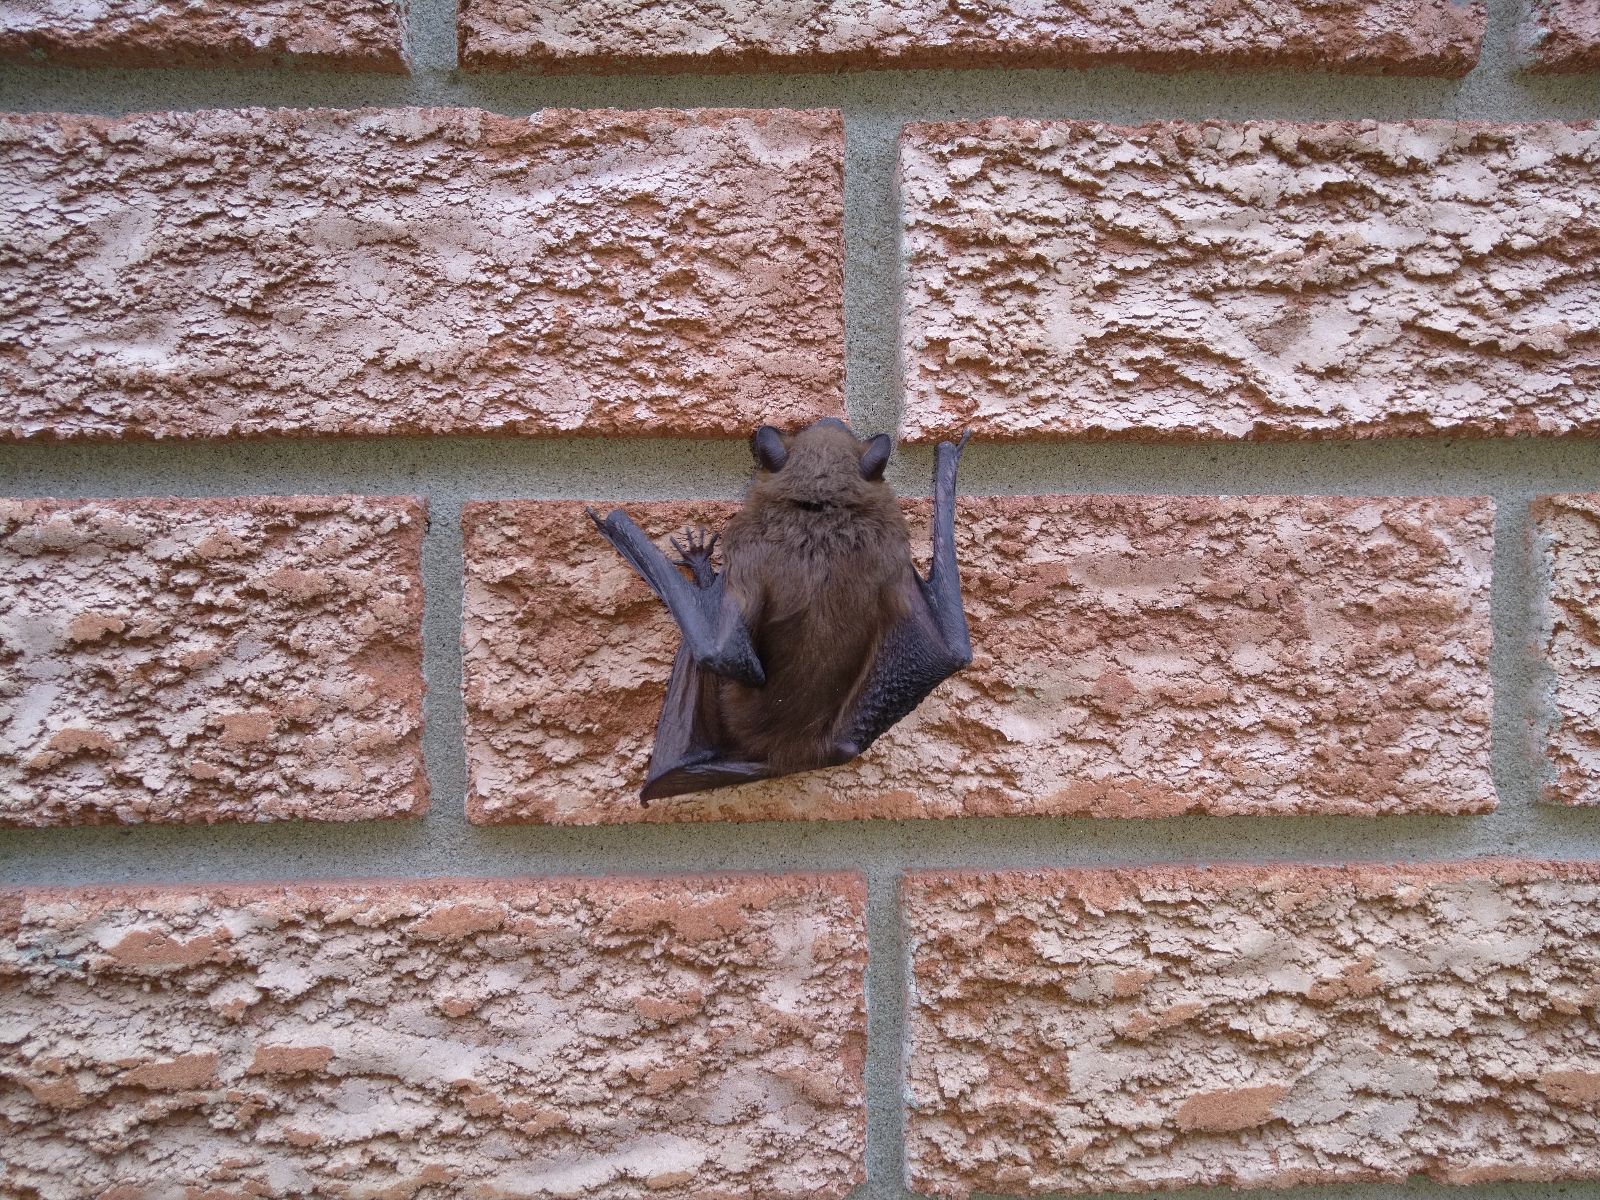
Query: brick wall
x,y
1256,847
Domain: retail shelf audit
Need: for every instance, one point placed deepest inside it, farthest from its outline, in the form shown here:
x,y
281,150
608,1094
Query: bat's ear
x,y
766,444
876,457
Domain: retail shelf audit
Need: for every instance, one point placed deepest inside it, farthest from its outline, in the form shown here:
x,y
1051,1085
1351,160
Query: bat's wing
x,y
930,643
713,628
690,750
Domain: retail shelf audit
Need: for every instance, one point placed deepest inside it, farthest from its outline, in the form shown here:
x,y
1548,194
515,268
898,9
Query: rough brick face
x,y
608,1039
1561,35
1568,535
366,35
1266,280
1080,1031
1407,37
210,660
1133,656
420,271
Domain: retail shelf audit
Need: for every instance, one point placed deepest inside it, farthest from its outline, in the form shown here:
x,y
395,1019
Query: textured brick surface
x,y
420,271
366,35
1568,533
1561,35
1266,280
203,660
1172,1027
1408,37
600,1038
1133,656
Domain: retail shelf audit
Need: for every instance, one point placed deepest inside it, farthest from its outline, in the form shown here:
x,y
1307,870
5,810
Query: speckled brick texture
x,y
247,659
1561,35
1085,1031
1257,280
610,1039
1567,533
1133,656
361,35
1401,37
420,271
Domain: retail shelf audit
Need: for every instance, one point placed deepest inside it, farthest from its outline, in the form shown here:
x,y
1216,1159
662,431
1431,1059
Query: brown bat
x,y
818,634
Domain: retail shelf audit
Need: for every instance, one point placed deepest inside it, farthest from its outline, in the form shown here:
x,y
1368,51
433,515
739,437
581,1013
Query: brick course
x,y
1257,280
351,35
1400,37
1568,536
1081,1031
613,1039
1133,656
421,271
210,660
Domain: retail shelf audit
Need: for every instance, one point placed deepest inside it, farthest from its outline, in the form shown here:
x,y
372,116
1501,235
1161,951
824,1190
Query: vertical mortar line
x,y
431,37
871,273
899,281
443,706
1514,669
886,1001
1499,54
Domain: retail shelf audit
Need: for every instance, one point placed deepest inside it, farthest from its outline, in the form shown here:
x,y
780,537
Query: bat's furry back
x,y
818,561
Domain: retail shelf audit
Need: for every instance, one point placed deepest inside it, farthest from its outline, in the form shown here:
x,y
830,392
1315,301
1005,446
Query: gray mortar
x,y
449,471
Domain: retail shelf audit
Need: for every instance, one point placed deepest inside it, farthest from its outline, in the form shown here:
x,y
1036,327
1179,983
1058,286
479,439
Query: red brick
x,y
247,659
1133,656
353,35
609,1038
411,271
1293,1025
1257,280
1561,35
1392,37
1567,530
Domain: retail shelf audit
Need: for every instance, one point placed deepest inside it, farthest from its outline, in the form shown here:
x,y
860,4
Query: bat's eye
x,y
767,445
876,457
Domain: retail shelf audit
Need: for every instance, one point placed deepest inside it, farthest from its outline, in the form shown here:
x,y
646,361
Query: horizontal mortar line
x,y
1105,92
639,468
434,848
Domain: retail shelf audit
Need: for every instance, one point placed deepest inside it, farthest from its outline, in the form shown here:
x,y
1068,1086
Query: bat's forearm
x,y
713,628
944,576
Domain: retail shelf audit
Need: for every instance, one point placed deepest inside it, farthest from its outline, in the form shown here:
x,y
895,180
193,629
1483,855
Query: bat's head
x,y
820,467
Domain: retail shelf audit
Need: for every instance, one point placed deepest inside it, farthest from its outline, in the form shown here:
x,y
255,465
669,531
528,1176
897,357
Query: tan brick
x,y
1133,656
607,1038
1567,532
1396,37
1258,280
421,271
1249,1056
357,35
1560,35
247,659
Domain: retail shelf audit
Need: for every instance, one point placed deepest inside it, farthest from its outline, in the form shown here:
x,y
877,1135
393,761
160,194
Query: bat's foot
x,y
695,551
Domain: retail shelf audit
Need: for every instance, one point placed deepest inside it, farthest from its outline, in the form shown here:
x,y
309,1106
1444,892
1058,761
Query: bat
x,y
818,634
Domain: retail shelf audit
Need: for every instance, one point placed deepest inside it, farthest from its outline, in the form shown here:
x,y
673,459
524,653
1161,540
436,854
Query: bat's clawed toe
x,y
694,552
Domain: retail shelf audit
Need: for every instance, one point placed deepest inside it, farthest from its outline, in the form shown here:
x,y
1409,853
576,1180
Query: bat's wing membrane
x,y
930,643
688,745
